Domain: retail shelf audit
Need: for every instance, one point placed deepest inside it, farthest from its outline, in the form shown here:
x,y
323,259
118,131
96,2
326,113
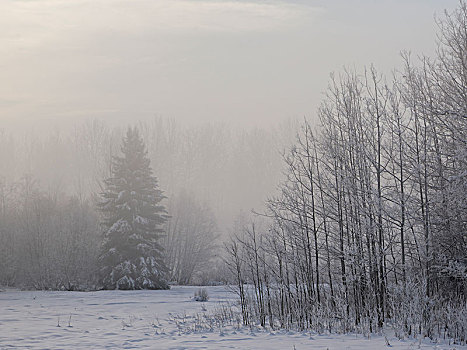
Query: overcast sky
x,y
247,62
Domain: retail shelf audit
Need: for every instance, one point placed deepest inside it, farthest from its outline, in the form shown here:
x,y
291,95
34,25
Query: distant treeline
x,y
50,230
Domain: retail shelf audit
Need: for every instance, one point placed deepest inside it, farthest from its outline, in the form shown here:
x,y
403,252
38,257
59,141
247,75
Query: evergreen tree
x,y
131,256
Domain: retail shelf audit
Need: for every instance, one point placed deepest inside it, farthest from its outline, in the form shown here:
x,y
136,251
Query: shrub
x,y
201,295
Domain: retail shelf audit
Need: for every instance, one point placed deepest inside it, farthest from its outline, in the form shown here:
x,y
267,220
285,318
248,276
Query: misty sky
x,y
248,62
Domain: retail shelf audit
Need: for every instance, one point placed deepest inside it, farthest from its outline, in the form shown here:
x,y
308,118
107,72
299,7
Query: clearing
x,y
155,320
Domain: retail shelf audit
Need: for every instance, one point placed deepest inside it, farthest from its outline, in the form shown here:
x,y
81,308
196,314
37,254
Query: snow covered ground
x,y
153,320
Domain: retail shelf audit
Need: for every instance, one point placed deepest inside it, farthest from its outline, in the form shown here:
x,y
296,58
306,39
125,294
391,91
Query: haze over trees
x,y
191,248
365,229
46,241
208,174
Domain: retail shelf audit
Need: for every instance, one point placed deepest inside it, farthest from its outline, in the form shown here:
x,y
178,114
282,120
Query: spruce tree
x,y
131,256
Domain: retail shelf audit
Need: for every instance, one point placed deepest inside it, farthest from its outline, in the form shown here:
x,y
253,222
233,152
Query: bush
x,y
201,295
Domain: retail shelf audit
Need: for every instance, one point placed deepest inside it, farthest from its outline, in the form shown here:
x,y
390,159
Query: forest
x,y
50,187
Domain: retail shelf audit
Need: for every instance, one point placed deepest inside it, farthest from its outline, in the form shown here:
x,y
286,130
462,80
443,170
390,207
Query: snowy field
x,y
153,320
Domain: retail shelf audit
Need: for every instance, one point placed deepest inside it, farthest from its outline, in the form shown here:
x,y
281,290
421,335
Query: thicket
x,y
369,230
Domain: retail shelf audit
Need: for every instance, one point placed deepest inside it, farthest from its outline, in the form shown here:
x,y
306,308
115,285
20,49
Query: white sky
x,y
247,62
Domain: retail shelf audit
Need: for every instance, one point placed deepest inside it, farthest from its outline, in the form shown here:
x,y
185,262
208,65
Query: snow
x,y
168,319
140,220
120,226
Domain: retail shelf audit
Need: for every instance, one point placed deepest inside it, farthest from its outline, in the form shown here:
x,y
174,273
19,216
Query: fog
x,y
310,156
248,63
225,74
235,107
231,170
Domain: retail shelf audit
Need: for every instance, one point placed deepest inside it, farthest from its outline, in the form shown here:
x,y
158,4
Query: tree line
x,y
119,238
370,227
198,169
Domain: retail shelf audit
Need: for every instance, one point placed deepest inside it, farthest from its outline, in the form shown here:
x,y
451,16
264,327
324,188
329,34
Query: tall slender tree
x,y
131,256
